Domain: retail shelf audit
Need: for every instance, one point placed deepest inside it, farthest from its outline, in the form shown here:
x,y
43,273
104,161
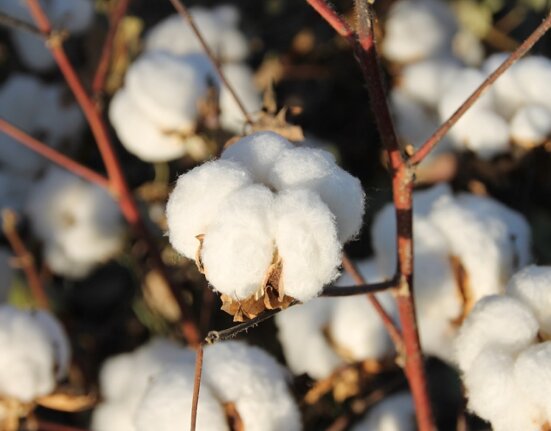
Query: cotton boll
x,y
238,247
531,125
532,75
156,77
241,79
58,339
531,286
394,413
315,170
300,332
233,45
495,395
424,200
495,322
257,152
254,382
60,262
166,405
194,202
111,417
416,30
467,46
306,239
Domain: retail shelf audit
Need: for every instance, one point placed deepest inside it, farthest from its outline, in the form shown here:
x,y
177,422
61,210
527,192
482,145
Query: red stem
x,y
196,386
333,19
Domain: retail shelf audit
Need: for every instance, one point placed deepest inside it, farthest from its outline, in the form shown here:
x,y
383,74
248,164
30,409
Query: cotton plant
x,y
73,16
466,247
55,121
79,223
35,357
153,387
266,222
326,333
394,413
503,352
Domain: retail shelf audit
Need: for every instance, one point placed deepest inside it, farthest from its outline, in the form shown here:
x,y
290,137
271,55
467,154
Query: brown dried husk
x,y
234,419
463,290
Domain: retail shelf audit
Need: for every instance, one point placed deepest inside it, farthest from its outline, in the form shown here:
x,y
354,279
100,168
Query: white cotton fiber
x,y
257,152
532,286
241,79
155,78
394,413
238,247
495,322
533,75
316,170
300,332
166,405
254,382
193,204
416,30
531,125
306,238
35,353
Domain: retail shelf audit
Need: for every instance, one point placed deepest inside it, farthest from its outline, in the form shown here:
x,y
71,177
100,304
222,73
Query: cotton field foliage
x,y
266,209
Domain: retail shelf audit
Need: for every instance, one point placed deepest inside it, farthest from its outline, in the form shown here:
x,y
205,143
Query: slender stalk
x,y
437,136
25,259
53,155
358,289
102,70
328,13
183,11
115,173
196,386
14,23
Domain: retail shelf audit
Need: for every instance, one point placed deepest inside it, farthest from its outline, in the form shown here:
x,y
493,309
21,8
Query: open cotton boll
x,y
241,79
418,29
316,170
238,247
495,322
252,380
257,152
111,417
194,202
166,405
60,262
34,349
306,239
531,125
156,77
300,332
495,395
531,286
394,413
532,75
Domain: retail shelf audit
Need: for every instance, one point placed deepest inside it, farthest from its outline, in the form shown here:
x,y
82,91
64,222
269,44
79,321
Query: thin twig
x,y
24,258
327,11
426,148
183,11
11,22
53,155
102,70
358,289
196,386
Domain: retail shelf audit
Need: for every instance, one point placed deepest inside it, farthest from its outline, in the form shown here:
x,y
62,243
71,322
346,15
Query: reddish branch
x,y
115,173
53,155
196,386
102,70
24,259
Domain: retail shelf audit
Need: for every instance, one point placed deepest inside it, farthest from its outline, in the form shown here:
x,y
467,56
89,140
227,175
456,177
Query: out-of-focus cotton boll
x,y
35,353
467,46
79,218
531,125
166,405
306,238
418,29
532,75
75,16
257,152
306,348
498,322
194,202
394,413
218,26
531,286
238,247
254,382
241,79
312,169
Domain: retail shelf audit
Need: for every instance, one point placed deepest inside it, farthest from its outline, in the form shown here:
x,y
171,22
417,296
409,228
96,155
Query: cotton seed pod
x,y
394,413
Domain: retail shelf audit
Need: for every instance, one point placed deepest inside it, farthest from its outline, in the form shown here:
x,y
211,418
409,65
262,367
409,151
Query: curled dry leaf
x,y
159,298
11,410
463,290
234,419
65,401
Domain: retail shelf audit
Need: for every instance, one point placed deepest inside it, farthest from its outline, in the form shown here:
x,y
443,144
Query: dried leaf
x,y
277,123
234,419
198,260
10,412
159,298
463,289
68,402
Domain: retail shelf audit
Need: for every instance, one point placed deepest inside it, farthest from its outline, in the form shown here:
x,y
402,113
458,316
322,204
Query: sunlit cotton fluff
x,y
149,120
531,125
394,413
75,220
418,29
35,353
74,16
